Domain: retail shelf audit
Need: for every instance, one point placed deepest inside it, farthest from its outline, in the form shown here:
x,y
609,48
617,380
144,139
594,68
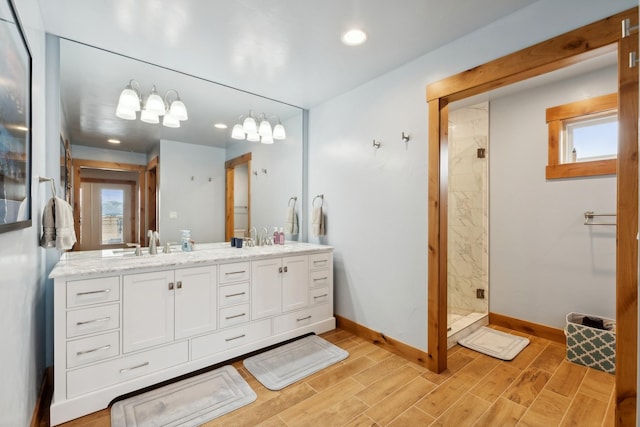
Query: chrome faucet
x,y
253,231
263,237
154,238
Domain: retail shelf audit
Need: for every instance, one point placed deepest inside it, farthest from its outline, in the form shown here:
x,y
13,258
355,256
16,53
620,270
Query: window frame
x,y
556,118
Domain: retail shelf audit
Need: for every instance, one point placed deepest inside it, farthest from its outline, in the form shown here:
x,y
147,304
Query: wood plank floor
x,y
374,387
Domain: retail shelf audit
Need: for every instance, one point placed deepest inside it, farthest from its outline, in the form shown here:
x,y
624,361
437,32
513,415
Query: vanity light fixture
x,y
354,37
130,102
113,141
219,125
258,128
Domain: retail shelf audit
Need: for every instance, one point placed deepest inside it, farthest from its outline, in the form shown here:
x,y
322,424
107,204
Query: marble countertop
x,y
119,261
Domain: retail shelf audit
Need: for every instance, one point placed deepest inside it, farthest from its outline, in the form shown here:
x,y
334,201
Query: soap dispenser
x,y
186,240
281,236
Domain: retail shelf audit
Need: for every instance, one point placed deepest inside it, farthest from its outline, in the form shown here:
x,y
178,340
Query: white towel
x,y
317,222
57,225
291,224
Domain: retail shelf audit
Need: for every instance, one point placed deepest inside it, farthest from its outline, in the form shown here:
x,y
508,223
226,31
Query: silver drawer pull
x,y
93,350
104,319
235,272
235,338
319,278
304,318
235,295
236,315
103,291
122,371
320,296
322,261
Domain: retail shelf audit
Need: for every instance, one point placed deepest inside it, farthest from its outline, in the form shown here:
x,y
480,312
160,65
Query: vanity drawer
x,y
92,291
230,338
319,278
102,375
235,315
236,272
91,320
298,319
233,294
319,261
92,349
319,296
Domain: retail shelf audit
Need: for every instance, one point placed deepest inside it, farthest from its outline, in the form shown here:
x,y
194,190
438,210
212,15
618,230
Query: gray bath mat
x,y
286,364
189,402
495,343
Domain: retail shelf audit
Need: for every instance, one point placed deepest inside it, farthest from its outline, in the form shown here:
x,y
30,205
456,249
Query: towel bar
x,y
319,196
588,215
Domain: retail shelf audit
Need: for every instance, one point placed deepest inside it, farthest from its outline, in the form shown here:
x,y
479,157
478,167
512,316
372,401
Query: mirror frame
x,y
566,49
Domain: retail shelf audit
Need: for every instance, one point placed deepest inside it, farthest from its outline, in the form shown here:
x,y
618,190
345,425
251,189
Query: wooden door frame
x,y
79,164
229,167
566,49
151,194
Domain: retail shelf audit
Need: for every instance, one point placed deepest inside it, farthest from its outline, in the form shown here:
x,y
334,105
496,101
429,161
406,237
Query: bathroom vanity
x,y
124,322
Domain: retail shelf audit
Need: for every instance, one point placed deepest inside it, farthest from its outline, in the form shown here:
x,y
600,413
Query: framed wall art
x,y
15,122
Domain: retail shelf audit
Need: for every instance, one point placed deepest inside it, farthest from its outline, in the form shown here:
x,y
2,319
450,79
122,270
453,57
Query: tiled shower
x,y
468,221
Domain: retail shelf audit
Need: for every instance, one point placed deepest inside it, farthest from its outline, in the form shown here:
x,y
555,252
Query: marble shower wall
x,y
468,245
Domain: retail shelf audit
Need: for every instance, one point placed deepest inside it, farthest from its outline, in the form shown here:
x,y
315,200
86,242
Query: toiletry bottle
x,y
276,236
574,155
281,236
186,240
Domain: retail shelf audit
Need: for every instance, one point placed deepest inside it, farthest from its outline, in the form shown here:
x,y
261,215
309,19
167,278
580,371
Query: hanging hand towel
x,y
317,222
48,238
291,224
65,230
57,225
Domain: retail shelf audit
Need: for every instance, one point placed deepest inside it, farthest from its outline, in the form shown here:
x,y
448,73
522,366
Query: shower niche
x,y
468,221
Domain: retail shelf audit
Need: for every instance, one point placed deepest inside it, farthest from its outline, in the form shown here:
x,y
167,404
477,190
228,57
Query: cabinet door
x,y
266,291
147,306
295,282
195,304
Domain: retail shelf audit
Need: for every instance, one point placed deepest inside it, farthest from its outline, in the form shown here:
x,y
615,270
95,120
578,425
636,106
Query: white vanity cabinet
x,y
121,325
278,285
166,305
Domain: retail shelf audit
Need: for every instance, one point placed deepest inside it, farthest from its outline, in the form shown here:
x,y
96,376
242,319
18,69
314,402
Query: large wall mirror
x,y
187,163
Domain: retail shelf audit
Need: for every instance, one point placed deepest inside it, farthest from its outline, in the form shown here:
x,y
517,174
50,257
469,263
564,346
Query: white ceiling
x,y
288,50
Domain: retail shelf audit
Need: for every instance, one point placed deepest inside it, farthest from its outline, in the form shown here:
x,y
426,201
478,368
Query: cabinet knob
x,y
279,269
179,284
286,269
170,286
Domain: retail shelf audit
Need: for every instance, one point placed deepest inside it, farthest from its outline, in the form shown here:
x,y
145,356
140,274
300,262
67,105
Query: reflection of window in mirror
x,y
583,138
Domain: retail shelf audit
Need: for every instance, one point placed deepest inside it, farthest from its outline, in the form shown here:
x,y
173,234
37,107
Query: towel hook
x,y
294,198
52,181
405,138
319,196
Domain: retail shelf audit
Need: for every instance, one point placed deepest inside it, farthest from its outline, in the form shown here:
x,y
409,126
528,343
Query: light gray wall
x,y
192,184
376,200
22,261
544,262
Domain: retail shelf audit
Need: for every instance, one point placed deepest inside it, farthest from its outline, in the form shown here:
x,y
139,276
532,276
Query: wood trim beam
x,y
566,49
535,329
598,104
381,340
626,232
573,170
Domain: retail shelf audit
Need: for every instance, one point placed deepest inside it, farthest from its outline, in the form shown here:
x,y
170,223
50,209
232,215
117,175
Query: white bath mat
x,y
189,402
495,343
284,365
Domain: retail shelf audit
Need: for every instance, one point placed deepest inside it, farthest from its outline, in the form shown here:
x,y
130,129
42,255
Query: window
x,y
583,138
112,215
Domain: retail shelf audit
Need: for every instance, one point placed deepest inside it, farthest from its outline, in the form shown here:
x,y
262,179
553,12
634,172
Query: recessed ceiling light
x,y
113,141
354,37
220,126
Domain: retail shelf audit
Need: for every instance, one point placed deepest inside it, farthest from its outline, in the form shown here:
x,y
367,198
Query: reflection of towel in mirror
x,y
57,225
317,222
291,224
